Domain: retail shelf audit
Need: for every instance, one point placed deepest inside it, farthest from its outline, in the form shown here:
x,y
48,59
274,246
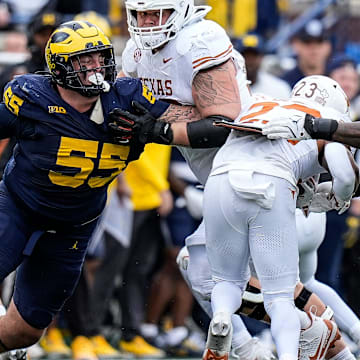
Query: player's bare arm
x,y
178,125
215,91
348,133
180,114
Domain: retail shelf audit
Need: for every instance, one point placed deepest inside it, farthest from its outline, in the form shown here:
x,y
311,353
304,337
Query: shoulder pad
x,y
24,89
128,59
125,86
210,45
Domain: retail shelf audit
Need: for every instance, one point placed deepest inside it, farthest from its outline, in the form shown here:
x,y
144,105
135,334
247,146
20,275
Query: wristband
x,y
319,128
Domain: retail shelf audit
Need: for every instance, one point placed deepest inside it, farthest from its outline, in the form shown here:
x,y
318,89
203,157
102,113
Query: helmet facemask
x,y
100,78
150,38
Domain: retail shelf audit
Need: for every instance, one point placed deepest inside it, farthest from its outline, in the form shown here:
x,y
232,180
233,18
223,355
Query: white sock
x,y
305,321
176,335
343,355
149,330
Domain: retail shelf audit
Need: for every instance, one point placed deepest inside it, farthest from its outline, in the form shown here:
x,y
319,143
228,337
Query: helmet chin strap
x,y
98,79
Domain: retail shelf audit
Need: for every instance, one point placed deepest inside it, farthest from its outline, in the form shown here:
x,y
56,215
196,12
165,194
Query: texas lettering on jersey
x,y
159,87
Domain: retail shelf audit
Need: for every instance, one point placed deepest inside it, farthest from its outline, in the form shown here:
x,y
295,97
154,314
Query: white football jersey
x,y
169,73
287,159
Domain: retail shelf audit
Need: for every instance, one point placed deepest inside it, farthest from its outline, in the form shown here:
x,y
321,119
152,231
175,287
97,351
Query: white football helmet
x,y
149,38
322,91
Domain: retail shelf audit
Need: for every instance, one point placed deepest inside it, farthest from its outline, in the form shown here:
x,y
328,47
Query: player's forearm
x,y
180,114
328,129
348,133
188,129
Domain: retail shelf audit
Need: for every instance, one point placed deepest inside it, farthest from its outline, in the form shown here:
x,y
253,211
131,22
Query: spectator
x,y
135,261
312,48
152,202
251,46
169,289
38,33
342,68
22,11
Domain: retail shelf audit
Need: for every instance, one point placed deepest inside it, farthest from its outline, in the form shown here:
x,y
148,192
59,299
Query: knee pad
x,y
277,298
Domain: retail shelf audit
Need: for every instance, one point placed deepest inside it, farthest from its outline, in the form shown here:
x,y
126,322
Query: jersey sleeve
x,y
134,90
13,97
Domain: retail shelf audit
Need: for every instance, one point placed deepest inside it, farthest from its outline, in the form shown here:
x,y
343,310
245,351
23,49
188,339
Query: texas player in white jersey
x,y
254,214
213,91
197,67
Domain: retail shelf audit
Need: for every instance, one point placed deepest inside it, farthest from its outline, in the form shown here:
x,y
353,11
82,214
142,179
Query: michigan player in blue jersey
x,y
54,187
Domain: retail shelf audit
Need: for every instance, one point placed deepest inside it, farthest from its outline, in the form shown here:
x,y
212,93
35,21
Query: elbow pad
x,y
203,134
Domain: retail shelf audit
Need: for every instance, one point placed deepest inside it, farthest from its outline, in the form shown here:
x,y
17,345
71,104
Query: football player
x,y
189,60
311,127
55,184
258,179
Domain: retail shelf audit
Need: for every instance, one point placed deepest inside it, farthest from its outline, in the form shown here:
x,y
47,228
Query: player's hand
x,y
307,189
125,125
293,128
325,200
139,124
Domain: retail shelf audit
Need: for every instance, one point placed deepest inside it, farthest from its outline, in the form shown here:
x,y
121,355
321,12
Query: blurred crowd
x,y
131,300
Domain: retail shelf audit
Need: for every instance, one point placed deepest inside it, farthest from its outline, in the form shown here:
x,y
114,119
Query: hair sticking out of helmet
x,y
152,37
324,91
67,44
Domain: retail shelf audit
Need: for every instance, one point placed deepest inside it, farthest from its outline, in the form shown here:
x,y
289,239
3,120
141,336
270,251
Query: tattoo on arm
x,y
216,86
180,113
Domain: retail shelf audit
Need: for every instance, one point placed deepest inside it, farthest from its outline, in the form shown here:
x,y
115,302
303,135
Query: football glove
x,y
300,128
140,124
324,200
306,191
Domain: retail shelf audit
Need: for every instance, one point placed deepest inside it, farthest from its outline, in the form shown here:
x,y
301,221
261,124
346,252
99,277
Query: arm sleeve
x,y
341,170
203,134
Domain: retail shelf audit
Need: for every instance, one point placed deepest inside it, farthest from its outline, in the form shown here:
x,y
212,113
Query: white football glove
x,y
324,200
306,191
291,127
194,201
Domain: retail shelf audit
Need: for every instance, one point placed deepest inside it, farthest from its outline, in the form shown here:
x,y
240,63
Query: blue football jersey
x,y
63,161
